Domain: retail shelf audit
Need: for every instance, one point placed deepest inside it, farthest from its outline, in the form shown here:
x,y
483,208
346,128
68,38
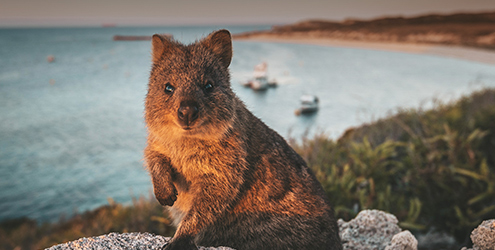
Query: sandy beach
x,y
458,52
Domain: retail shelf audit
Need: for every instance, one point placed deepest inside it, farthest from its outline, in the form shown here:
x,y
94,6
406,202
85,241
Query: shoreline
x,y
450,51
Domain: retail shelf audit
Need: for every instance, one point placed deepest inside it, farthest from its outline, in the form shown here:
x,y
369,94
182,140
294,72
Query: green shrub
x,y
432,169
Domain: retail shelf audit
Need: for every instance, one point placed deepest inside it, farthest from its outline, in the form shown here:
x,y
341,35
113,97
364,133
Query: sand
x,y
463,53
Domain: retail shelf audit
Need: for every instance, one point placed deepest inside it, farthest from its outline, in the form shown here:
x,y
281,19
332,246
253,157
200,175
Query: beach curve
x,y
450,51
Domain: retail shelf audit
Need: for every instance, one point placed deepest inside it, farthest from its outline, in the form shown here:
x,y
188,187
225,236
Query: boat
x,y
50,58
309,105
260,79
259,84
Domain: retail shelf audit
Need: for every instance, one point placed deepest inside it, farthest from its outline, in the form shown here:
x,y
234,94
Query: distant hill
x,y
463,29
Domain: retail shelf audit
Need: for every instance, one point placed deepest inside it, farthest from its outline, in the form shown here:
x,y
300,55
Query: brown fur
x,y
229,179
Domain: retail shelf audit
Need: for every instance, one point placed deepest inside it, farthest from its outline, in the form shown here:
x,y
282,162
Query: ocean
x,y
72,133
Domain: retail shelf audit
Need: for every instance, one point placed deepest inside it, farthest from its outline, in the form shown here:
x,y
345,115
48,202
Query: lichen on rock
x,y
116,241
371,229
404,240
127,241
483,236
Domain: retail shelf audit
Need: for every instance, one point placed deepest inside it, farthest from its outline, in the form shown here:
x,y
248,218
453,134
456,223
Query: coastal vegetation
x,y
433,169
143,215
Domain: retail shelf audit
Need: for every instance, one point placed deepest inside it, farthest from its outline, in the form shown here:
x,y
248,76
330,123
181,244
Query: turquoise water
x,y
72,131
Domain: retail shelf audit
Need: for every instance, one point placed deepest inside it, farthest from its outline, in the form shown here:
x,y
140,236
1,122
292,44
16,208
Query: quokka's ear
x,y
220,42
160,45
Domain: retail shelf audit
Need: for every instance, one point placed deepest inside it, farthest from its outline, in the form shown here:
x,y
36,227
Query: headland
x,y
464,36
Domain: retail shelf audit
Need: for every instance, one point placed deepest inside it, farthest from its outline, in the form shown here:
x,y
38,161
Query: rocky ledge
x,y
371,229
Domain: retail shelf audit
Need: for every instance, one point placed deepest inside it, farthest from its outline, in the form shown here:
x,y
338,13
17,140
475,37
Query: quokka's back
x,y
228,178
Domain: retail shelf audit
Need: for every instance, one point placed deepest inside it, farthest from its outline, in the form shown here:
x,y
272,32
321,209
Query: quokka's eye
x,y
208,86
169,88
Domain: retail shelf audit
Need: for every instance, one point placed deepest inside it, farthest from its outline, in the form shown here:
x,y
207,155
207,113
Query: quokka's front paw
x,y
167,197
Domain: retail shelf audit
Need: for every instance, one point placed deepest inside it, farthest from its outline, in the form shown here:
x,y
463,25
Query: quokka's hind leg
x,y
272,231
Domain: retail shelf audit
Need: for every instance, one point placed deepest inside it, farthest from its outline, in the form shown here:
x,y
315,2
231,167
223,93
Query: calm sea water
x,y
72,131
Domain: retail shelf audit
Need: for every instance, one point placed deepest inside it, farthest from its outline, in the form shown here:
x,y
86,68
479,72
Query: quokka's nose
x,y
188,112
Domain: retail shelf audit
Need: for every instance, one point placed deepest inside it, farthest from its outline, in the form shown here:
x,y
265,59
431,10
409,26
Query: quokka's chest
x,y
199,161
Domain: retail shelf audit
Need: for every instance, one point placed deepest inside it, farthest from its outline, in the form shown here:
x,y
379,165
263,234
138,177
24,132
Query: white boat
x,y
260,79
309,104
259,84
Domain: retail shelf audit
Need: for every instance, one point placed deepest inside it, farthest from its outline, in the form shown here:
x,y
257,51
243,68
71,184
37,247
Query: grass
x,y
431,168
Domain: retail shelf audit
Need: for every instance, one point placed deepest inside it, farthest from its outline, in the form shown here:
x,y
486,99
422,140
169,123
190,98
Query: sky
x,y
196,12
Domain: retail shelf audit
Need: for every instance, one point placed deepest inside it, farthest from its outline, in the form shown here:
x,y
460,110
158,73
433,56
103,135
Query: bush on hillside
x,y
429,168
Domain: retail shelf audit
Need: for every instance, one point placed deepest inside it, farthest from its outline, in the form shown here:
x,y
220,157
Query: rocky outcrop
x,y
483,236
116,241
371,229
124,241
374,229
403,241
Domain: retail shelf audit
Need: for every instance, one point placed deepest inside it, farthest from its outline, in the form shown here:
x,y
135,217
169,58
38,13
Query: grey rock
x,y
117,241
483,236
371,229
403,241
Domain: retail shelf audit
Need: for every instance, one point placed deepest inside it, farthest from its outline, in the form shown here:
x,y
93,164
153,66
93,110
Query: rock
x,y
371,229
403,241
117,241
483,236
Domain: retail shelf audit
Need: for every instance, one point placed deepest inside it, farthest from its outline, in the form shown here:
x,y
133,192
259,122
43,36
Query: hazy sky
x,y
160,12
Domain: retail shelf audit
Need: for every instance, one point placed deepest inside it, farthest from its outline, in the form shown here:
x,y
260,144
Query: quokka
x,y
228,178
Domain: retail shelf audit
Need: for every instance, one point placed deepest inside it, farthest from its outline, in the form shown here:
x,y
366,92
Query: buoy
x,y
50,58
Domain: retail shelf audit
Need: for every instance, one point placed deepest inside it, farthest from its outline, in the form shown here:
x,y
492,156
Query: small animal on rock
x,y
228,178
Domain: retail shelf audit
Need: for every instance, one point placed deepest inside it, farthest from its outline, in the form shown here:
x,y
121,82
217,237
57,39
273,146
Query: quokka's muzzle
x,y
188,112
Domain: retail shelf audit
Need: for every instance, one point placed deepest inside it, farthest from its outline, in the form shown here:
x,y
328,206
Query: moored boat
x,y
309,104
260,79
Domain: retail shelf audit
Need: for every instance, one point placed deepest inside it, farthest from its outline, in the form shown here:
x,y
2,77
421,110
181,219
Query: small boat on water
x,y
260,78
309,104
259,84
50,58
